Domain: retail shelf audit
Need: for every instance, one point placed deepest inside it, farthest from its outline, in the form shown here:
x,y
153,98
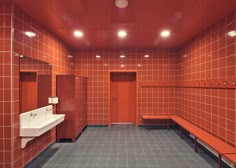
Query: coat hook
x,y
209,81
234,82
225,83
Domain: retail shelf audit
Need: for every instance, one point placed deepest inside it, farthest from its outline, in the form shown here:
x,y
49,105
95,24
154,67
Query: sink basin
x,y
36,122
34,129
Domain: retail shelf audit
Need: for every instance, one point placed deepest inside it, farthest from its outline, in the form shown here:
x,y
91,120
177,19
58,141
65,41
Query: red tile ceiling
x,y
143,19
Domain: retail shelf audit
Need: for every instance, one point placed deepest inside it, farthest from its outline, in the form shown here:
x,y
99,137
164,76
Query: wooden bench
x,y
216,144
222,148
231,158
157,117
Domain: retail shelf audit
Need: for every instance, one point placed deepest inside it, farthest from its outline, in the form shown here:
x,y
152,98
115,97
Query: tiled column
x,y
6,84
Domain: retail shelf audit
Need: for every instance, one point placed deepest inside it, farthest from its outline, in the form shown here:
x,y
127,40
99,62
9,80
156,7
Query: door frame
x,y
109,94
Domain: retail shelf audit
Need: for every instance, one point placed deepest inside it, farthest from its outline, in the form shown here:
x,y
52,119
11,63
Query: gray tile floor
x,y
125,146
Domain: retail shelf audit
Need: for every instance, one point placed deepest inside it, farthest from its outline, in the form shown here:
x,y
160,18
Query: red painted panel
x,y
66,105
72,94
123,97
101,19
44,89
28,91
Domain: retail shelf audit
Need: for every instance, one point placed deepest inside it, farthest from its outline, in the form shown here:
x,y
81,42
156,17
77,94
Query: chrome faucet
x,y
47,111
32,115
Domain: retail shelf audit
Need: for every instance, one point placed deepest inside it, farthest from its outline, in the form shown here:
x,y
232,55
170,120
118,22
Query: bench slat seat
x,y
221,147
156,117
231,157
186,125
218,145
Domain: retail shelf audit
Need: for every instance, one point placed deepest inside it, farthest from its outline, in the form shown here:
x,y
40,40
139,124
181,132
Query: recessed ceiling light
x,y
122,56
78,33
232,33
122,33
21,56
146,56
98,56
30,34
69,56
105,64
165,33
121,3
122,65
139,65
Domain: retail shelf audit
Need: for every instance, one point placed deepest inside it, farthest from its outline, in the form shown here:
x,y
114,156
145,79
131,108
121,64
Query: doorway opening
x,y
122,98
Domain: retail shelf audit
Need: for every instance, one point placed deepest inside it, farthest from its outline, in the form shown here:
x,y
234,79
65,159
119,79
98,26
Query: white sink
x,y
36,122
34,129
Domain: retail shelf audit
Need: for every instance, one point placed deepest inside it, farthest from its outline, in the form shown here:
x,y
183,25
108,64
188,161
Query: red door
x,y
123,97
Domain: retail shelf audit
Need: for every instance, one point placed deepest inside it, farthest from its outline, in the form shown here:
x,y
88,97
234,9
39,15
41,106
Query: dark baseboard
x,y
157,126
97,125
69,140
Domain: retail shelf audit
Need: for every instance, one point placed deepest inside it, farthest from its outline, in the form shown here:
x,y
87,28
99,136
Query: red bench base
x,y
222,148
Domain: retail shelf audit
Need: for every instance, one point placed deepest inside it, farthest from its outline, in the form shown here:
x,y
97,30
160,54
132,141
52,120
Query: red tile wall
x,y
211,57
32,65
161,66
44,47
5,84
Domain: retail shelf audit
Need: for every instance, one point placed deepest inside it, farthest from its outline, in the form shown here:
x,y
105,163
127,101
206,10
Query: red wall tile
x,y
5,84
210,55
161,66
44,47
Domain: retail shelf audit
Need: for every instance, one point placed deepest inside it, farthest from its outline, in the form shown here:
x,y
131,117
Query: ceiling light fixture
x,y
121,3
165,33
122,56
146,56
69,56
78,33
30,34
98,56
21,56
122,65
122,33
232,33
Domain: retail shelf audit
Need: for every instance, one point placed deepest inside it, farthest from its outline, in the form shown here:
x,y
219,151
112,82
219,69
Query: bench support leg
x,y
181,134
219,161
195,144
168,126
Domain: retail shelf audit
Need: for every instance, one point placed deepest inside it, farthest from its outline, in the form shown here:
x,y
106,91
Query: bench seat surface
x,y
156,117
213,142
231,157
220,146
